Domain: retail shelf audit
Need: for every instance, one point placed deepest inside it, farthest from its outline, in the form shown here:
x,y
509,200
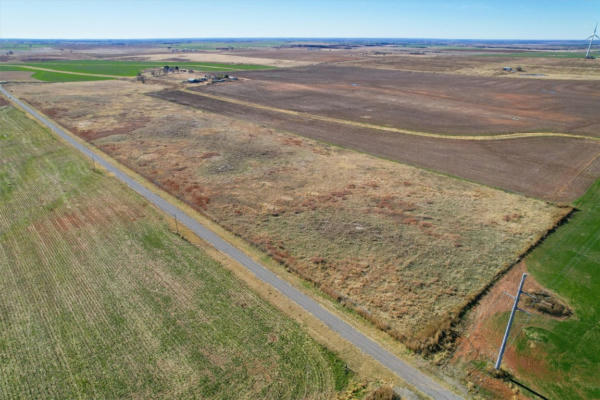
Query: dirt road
x,y
414,377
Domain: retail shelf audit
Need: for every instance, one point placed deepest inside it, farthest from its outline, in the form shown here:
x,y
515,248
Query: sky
x,y
137,19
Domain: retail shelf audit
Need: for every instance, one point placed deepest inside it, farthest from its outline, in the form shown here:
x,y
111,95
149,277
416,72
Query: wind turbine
x,y
591,39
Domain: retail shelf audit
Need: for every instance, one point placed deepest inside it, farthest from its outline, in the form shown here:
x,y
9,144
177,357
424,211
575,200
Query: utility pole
x,y
510,320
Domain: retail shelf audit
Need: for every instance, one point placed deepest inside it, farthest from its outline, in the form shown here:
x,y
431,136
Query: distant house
x,y
507,69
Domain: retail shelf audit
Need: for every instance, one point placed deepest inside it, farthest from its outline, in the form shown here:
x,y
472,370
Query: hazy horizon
x,y
306,38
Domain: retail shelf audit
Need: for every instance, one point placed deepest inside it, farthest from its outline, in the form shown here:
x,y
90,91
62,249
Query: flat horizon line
x,y
292,38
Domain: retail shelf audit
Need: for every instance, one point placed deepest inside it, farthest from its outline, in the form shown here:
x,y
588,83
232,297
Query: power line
x,y
510,320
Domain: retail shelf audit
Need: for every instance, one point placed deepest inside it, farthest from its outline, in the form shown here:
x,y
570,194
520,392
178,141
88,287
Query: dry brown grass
x,y
383,393
405,248
227,58
474,65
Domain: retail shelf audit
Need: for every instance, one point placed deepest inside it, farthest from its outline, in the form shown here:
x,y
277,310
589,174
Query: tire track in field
x,y
580,171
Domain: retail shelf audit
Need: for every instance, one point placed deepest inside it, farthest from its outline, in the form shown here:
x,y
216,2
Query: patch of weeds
x,y
536,334
152,240
341,373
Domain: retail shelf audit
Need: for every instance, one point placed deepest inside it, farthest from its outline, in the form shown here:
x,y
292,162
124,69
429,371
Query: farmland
x,y
368,232
75,70
552,168
541,54
406,187
131,68
422,101
370,110
543,348
491,65
569,265
49,76
100,299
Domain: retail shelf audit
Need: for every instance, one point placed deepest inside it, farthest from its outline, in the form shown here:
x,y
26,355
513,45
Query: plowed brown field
x,y
552,168
443,103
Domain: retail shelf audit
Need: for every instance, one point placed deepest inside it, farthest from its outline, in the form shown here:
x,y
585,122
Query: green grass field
x,y
131,68
117,68
99,299
568,263
47,76
12,68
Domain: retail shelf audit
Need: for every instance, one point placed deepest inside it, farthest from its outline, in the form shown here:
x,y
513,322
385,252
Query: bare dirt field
x,y
302,54
490,65
439,103
404,247
473,62
227,58
552,168
16,76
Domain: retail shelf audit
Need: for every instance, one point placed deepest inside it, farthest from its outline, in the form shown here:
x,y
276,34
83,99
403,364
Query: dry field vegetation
x,y
419,101
471,62
404,247
101,300
490,65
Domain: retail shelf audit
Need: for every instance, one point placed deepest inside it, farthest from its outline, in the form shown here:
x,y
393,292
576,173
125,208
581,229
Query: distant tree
x,y
520,69
166,69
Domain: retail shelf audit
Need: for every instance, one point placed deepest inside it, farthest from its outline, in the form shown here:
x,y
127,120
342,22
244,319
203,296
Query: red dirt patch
x,y
209,154
481,340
